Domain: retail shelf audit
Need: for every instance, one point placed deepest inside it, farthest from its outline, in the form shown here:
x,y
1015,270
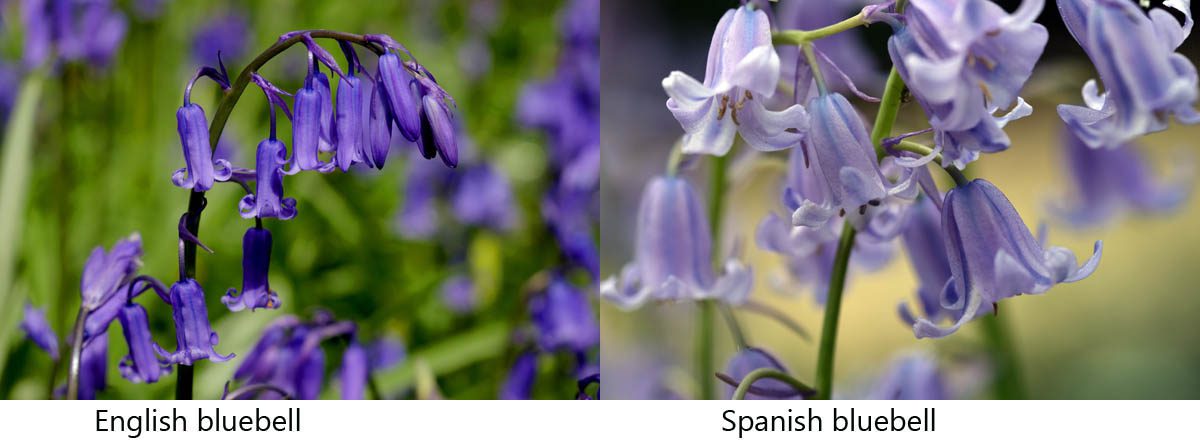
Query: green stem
x,y
705,364
833,310
1007,384
767,372
801,37
76,360
815,65
889,107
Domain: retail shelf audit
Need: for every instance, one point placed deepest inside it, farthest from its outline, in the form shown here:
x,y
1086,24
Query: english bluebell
x,y
256,262
742,72
193,333
72,30
38,330
563,317
483,197
106,276
142,364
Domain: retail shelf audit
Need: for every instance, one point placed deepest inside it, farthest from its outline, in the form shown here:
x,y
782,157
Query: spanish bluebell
x,y
964,60
256,263
673,253
193,333
564,318
142,364
38,330
1145,79
926,249
742,72
1106,182
912,377
994,256
750,359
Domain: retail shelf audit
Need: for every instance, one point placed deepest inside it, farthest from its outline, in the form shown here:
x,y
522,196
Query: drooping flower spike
x,y
256,262
964,60
673,253
994,256
201,170
1107,182
742,72
1145,79
268,200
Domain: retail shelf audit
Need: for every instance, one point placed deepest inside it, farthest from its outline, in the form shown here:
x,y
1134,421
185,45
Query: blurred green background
x,y
1128,331
105,145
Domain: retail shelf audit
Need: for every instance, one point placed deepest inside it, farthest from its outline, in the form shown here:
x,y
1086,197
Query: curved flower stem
x,y
814,64
802,37
76,359
196,201
739,336
767,372
704,325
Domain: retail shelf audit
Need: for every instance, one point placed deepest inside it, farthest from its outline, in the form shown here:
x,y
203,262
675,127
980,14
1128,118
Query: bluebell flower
x,y
964,60
103,286
201,170
142,364
437,122
309,125
1145,79
349,121
564,318
926,251
268,200
750,359
256,263
483,197
742,72
289,356
259,364
93,367
377,126
912,377
224,34
569,214
38,330
1106,182
195,337
852,183
400,91
386,352
519,383
73,30
673,253
994,256
354,372
458,294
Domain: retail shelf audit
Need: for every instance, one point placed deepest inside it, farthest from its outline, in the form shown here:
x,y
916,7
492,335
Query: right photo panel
x,y
909,199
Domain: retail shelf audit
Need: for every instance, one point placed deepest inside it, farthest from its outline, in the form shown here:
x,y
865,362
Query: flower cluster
x,y
288,361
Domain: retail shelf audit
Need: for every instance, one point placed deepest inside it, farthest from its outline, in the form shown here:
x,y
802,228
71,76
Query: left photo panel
x,y
299,200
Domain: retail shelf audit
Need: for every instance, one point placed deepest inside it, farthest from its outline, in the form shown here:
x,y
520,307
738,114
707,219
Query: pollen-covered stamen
x,y
724,105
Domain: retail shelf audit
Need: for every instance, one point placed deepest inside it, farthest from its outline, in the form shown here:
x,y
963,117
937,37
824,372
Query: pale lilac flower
x,y
994,256
1107,182
964,60
912,377
1145,79
926,249
742,72
673,253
